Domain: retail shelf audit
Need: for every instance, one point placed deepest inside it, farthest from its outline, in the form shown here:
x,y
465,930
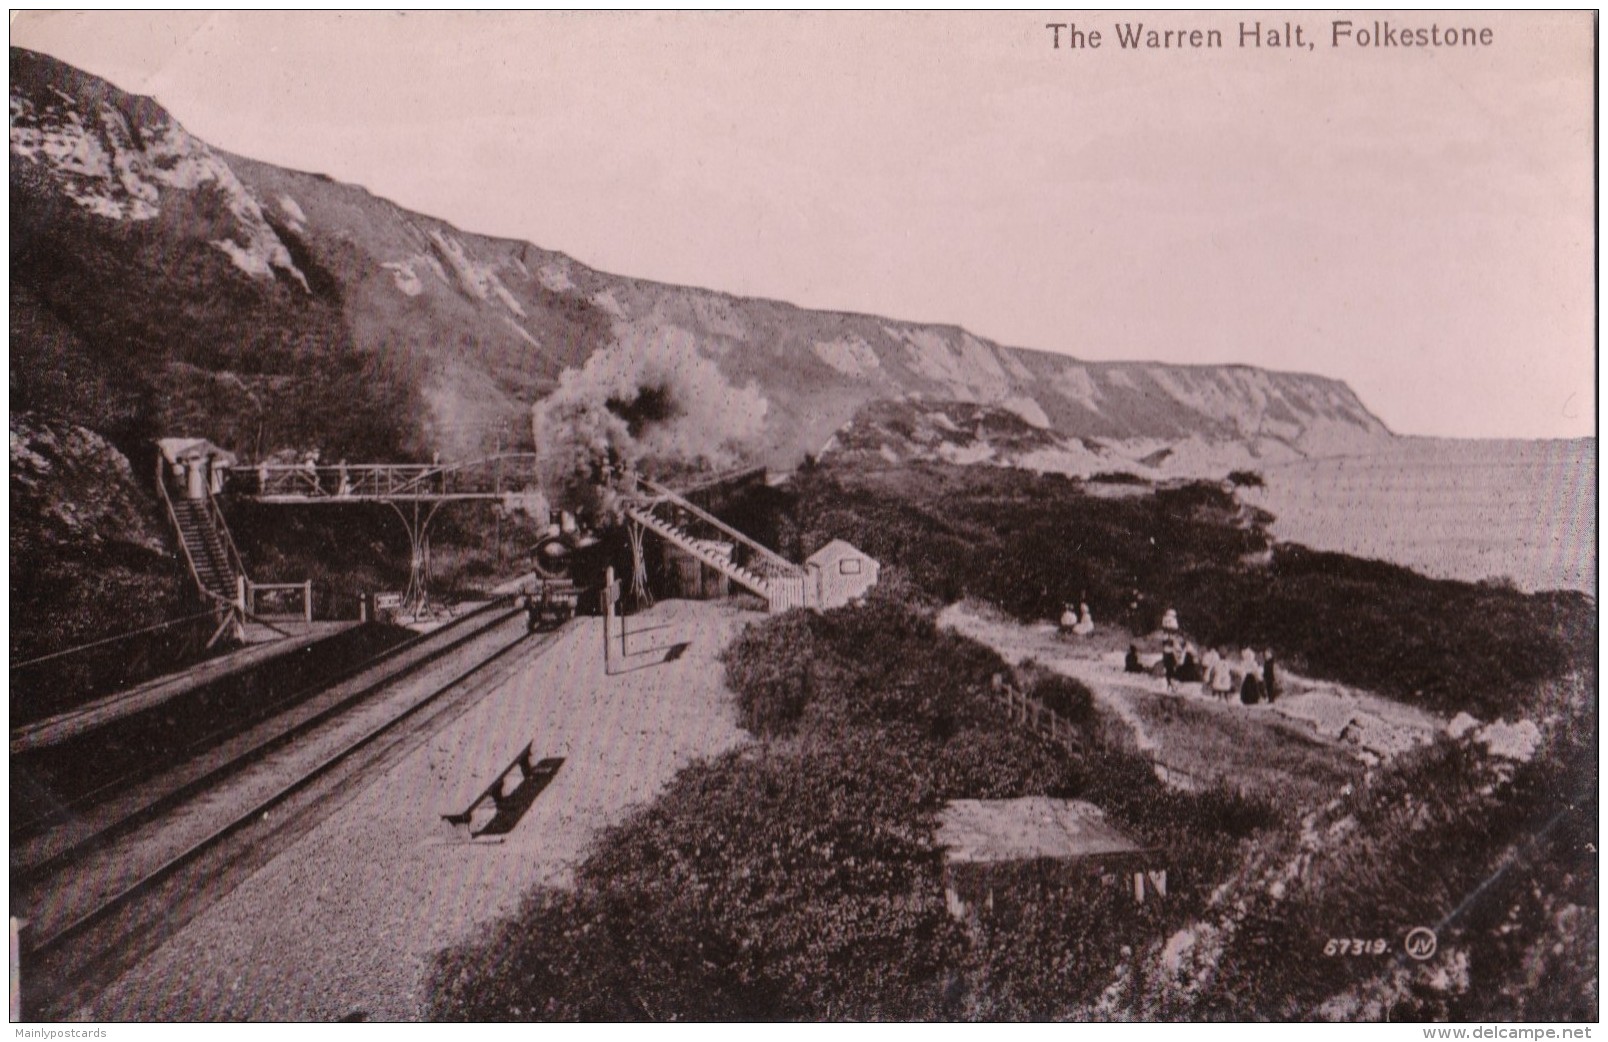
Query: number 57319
x,y
1355,946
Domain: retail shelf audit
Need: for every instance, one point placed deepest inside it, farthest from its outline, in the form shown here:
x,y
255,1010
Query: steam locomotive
x,y
576,558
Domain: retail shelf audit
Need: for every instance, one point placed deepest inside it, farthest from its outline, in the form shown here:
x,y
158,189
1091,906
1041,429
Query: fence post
x,y
17,926
611,593
307,600
239,613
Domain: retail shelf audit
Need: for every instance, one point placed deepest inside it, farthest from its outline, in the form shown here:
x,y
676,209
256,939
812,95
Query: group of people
x,y
1079,622
1219,672
304,478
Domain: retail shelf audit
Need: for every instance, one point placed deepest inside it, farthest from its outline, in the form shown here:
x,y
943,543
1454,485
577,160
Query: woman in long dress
x,y
1223,679
1270,677
1208,671
1250,685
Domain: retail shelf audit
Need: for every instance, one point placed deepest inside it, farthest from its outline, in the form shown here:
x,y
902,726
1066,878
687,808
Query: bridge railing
x,y
764,560
490,476
173,526
221,526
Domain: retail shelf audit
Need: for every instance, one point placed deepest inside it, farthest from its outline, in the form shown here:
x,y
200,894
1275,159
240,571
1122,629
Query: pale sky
x,y
1417,222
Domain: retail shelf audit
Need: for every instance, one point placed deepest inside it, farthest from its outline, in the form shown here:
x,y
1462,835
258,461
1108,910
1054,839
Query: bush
x,y
799,884
1065,696
772,672
1446,837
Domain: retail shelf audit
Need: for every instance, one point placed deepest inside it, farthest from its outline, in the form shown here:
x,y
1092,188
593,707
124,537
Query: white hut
x,y
196,464
838,573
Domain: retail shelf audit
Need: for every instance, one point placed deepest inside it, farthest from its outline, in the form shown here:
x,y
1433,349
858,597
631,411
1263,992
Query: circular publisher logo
x,y
1421,943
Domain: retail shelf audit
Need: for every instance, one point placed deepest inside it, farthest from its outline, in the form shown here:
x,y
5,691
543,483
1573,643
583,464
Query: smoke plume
x,y
650,401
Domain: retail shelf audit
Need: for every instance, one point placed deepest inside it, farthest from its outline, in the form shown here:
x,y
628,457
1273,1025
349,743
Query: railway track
x,y
96,902
41,844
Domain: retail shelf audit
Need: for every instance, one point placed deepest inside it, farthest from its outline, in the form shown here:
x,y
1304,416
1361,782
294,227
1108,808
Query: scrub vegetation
x,y
798,878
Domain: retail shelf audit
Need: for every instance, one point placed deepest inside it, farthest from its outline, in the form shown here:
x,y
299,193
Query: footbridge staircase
x,y
752,566
190,474
213,560
206,545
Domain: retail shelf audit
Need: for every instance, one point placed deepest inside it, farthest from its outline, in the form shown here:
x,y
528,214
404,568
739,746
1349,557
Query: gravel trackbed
x,y
344,922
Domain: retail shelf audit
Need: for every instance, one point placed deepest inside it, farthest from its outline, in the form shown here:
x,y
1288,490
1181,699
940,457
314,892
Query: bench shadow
x,y
513,806
660,657
510,806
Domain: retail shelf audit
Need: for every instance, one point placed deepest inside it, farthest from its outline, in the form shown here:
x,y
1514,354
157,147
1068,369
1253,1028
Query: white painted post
x,y
307,600
611,591
16,968
241,601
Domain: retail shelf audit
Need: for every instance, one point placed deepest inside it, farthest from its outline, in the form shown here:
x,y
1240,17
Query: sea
x,y
1522,512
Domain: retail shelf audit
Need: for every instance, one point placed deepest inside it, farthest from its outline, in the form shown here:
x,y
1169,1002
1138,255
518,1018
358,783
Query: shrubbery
x,y
799,879
759,886
1032,543
1062,695
883,668
1497,857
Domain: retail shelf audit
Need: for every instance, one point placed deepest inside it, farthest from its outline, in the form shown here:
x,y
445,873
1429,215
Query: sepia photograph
x,y
819,517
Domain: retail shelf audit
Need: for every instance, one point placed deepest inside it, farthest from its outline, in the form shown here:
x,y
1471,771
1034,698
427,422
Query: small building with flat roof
x,y
992,847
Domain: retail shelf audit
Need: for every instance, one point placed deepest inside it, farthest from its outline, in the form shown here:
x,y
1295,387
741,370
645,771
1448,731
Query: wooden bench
x,y
497,808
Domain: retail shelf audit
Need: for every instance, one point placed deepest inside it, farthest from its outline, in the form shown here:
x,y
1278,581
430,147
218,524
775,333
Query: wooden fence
x,y
1028,712
1034,715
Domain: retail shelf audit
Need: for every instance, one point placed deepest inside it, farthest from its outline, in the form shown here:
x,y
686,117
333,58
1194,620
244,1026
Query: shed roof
x,y
836,550
983,831
176,450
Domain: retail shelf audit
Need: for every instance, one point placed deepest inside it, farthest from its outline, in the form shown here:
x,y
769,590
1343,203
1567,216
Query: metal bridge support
x,y
418,528
639,568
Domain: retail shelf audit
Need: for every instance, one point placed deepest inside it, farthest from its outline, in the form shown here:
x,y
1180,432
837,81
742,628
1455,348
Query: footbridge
x,y
415,491
653,507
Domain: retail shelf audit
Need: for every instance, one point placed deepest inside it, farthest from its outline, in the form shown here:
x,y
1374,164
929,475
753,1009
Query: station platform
x,y
85,718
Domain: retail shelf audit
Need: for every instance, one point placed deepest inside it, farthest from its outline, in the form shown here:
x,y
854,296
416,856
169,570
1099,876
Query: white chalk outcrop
x,y
118,162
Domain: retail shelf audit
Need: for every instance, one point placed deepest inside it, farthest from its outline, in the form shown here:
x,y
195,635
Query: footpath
x,y
1322,730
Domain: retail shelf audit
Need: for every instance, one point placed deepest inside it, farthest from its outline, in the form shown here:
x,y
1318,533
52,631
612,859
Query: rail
x,y
1037,717
1027,711
68,970
78,648
409,657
